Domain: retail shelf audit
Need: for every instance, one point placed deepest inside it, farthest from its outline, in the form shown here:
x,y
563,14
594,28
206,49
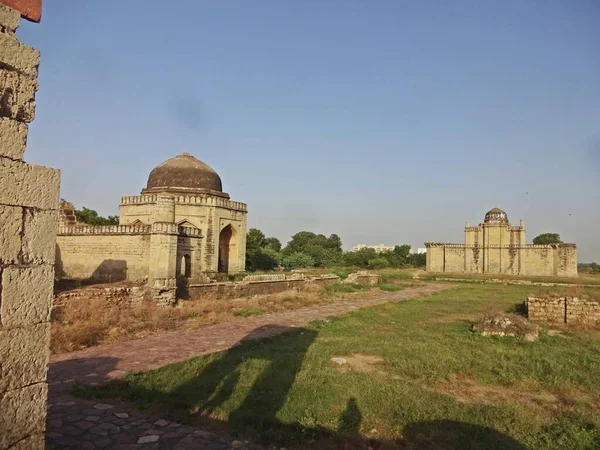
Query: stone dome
x,y
496,215
184,174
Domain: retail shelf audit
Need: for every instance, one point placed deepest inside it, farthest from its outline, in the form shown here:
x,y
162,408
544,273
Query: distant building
x,y
378,248
495,246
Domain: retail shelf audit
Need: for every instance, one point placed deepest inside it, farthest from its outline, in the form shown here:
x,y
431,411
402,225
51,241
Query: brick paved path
x,y
83,424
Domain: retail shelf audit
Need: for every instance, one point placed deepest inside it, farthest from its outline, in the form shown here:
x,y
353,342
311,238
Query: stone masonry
x,y
28,215
569,310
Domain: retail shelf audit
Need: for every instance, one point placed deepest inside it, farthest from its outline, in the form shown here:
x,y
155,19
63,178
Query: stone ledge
x,y
24,352
18,57
29,185
26,295
17,95
13,138
23,414
11,218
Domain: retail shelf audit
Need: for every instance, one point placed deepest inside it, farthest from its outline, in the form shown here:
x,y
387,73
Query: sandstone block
x,y
9,18
39,236
11,220
23,414
24,354
17,95
35,442
13,138
26,295
24,184
21,57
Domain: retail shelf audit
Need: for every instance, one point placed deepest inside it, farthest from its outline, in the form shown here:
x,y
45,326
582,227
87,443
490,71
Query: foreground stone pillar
x,y
28,214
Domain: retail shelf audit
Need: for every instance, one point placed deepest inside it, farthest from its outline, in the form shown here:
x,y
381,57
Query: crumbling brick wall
x,y
28,215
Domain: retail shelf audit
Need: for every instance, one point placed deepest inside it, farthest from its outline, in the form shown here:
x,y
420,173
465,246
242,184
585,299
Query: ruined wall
x,y
28,215
569,310
103,253
228,291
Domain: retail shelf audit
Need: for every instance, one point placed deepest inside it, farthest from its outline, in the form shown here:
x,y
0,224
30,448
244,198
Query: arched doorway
x,y
227,248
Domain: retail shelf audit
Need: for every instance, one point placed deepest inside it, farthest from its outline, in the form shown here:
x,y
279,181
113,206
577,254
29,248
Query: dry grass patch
x,y
86,322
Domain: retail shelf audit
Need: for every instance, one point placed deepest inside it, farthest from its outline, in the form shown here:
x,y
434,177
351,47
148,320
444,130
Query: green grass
x,y
345,288
438,384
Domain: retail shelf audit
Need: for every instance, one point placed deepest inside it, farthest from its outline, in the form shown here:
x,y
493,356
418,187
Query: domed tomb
x,y
184,174
496,216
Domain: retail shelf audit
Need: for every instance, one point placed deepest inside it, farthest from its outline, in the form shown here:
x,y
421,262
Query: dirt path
x,y
78,423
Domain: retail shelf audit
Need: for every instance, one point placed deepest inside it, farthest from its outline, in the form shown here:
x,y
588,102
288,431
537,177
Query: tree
x,y
262,253
417,259
264,259
378,263
298,260
91,217
547,238
323,250
273,243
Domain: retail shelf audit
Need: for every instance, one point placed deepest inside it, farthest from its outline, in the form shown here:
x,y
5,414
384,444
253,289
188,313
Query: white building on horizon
x,y
381,248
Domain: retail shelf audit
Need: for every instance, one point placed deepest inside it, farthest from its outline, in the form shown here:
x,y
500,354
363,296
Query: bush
x,y
378,263
264,259
298,260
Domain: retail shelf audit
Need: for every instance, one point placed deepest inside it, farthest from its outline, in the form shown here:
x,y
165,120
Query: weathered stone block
x,y
21,57
11,225
23,414
35,442
26,295
17,95
39,236
13,138
24,354
9,18
24,184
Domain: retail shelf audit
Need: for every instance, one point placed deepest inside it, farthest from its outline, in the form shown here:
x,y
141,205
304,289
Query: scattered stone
x,y
339,361
508,325
148,439
102,406
237,444
122,415
162,423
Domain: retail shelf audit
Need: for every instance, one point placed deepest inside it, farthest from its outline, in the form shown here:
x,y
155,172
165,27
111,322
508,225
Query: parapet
x,y
104,229
187,200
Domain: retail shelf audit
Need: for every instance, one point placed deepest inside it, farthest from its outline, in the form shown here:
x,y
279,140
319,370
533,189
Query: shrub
x,y
378,263
298,260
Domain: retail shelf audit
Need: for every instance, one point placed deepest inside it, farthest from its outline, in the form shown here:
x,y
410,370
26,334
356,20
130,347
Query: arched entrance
x,y
227,248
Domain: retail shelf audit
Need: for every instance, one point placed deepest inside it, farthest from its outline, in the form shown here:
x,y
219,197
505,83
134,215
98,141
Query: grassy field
x,y
587,278
413,376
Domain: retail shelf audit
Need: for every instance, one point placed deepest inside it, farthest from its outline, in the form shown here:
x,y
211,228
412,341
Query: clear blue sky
x,y
383,121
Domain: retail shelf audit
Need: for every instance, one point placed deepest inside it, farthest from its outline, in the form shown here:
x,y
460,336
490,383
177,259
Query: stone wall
x,y
530,260
126,296
103,253
228,291
29,196
569,310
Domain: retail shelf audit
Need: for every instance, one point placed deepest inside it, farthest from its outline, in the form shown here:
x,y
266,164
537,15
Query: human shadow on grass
x,y
220,393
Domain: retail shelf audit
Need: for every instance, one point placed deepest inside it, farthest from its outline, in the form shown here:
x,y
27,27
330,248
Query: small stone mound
x,y
507,325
